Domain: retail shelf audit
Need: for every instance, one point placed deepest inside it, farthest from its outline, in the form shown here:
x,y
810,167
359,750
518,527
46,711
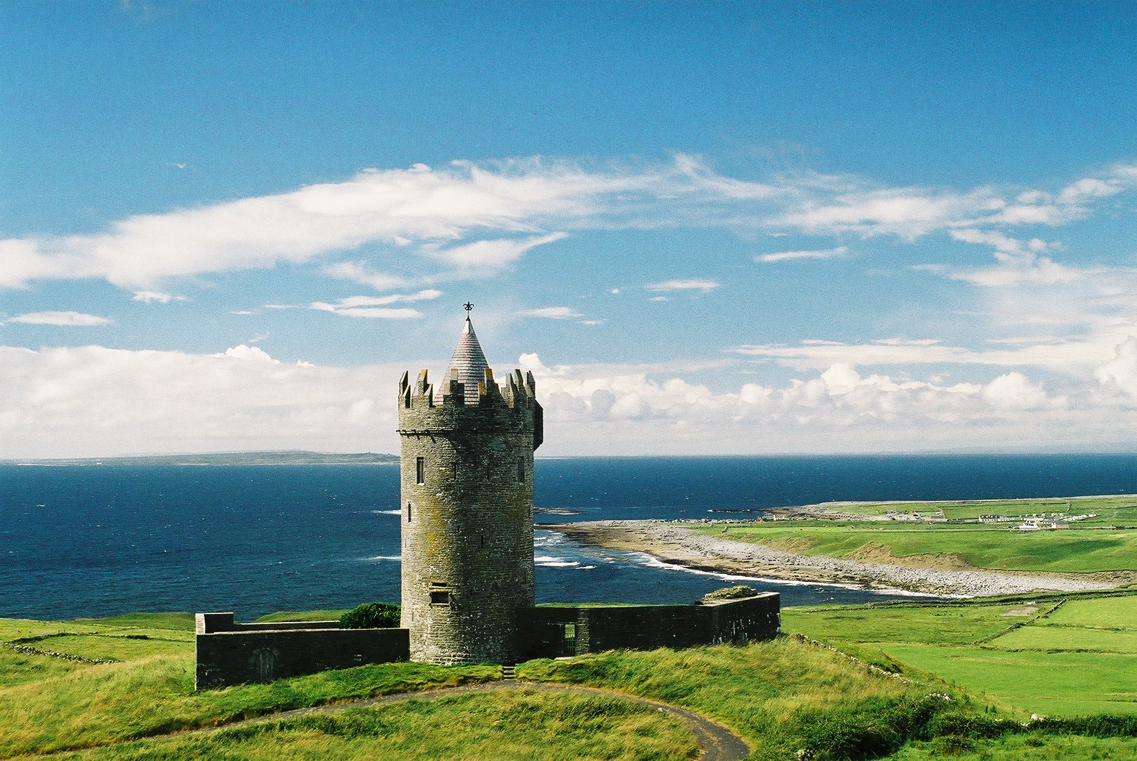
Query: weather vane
x,y
467,306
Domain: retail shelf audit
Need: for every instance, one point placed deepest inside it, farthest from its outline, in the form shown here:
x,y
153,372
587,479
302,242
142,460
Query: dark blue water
x,y
99,540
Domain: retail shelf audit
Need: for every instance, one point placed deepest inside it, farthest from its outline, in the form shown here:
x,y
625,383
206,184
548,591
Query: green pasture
x,y
165,621
1022,747
1068,639
1106,613
931,624
20,668
1106,508
112,647
1049,684
1079,659
986,546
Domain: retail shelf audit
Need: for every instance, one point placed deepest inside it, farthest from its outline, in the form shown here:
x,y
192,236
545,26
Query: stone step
x,y
508,672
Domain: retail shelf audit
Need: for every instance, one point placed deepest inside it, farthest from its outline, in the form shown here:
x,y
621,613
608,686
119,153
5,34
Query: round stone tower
x,y
467,508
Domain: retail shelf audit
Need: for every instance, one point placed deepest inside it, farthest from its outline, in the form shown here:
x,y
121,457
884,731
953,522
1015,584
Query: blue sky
x,y
705,227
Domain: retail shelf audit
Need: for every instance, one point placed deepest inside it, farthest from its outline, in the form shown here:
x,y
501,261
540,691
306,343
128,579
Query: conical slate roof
x,y
470,362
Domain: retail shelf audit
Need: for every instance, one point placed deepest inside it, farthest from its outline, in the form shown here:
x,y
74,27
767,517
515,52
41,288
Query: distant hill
x,y
226,458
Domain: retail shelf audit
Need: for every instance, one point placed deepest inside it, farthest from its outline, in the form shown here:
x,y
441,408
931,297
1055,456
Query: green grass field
x,y
993,547
49,703
1107,509
513,726
780,696
1080,659
997,660
1026,747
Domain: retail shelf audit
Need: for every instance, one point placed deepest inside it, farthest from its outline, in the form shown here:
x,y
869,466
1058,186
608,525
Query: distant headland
x,y
286,457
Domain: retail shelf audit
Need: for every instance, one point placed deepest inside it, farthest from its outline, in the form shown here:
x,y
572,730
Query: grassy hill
x,y
900,681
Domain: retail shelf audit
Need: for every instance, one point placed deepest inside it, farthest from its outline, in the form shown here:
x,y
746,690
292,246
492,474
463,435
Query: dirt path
x,y
716,742
678,545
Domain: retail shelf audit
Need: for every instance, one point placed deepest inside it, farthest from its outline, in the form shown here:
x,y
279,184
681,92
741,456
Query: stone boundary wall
x,y
229,653
544,632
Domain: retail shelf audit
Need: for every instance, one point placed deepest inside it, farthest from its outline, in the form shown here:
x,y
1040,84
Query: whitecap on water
x,y
548,561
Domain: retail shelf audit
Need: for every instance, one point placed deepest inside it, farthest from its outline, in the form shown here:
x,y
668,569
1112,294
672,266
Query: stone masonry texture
x,y
467,516
542,631
257,653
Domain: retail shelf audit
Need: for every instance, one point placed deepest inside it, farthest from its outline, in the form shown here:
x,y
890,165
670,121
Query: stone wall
x,y
467,517
229,653
551,632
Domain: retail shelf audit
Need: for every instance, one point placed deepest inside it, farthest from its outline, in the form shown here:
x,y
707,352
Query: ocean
x,y
86,541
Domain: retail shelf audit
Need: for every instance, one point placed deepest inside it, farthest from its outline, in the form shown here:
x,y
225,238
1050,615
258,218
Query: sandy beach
x,y
673,543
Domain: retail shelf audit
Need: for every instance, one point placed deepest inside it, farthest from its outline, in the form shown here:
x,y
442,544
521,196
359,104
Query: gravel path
x,y
675,544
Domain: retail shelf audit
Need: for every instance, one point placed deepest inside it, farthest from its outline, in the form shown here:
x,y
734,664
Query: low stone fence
x,y
550,632
229,653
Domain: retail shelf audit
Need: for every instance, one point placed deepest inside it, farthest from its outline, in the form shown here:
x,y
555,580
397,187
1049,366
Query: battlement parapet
x,y
512,407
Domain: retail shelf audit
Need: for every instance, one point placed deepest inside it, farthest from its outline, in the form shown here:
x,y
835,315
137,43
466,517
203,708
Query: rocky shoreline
x,y
673,543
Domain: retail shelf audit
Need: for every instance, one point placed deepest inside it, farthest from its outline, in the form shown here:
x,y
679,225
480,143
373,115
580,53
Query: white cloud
x,y
908,213
1019,262
94,401
835,410
706,286
98,401
1014,392
473,218
490,254
69,319
554,313
1121,372
149,297
377,306
1072,355
359,272
465,214
784,256
249,353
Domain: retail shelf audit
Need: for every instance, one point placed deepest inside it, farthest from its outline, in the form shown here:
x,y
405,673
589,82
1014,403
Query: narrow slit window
x,y
420,471
408,512
521,471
